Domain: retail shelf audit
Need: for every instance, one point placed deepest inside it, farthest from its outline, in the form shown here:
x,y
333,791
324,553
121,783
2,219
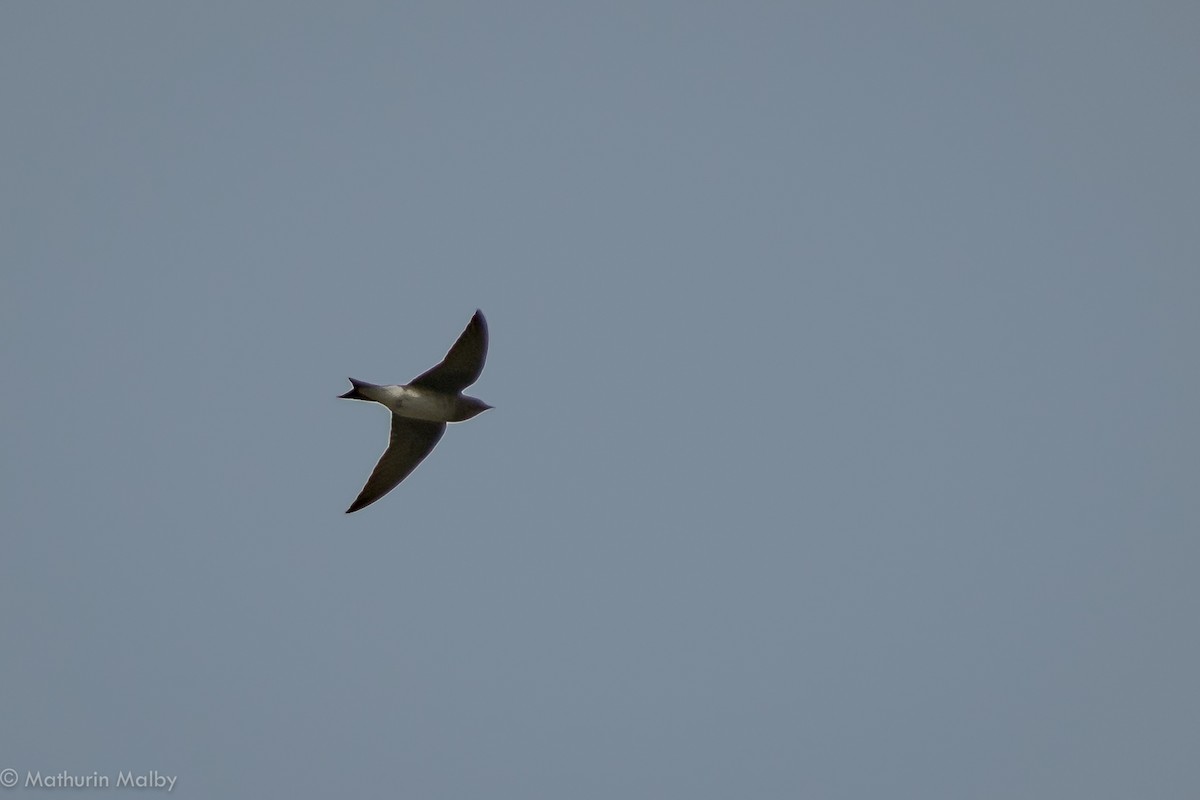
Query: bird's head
x,y
470,407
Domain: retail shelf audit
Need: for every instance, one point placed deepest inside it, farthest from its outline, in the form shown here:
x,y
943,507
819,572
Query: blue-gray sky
x,y
844,358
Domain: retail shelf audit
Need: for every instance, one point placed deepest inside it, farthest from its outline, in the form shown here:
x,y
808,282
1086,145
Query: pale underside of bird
x,y
422,407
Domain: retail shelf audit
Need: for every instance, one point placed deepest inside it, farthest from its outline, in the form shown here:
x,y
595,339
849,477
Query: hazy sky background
x,y
845,364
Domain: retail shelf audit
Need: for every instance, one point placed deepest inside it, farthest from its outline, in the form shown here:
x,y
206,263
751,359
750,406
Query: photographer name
x,y
124,780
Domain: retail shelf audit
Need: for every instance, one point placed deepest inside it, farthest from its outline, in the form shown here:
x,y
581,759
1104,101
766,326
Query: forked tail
x,y
355,394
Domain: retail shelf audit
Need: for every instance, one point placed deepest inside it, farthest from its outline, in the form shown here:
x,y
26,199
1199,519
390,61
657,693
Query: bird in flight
x,y
422,407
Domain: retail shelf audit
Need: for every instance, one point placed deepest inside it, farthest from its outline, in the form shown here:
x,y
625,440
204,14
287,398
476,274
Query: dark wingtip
x,y
359,503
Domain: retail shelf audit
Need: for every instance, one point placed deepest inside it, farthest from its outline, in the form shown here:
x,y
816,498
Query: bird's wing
x,y
462,365
411,441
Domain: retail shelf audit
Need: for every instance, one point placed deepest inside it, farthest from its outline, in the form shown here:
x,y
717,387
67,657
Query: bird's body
x,y
421,408
415,402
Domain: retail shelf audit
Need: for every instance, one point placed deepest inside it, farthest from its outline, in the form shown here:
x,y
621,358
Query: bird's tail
x,y
355,394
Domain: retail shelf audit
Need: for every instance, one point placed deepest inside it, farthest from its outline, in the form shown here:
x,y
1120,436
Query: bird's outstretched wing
x,y
462,365
411,441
